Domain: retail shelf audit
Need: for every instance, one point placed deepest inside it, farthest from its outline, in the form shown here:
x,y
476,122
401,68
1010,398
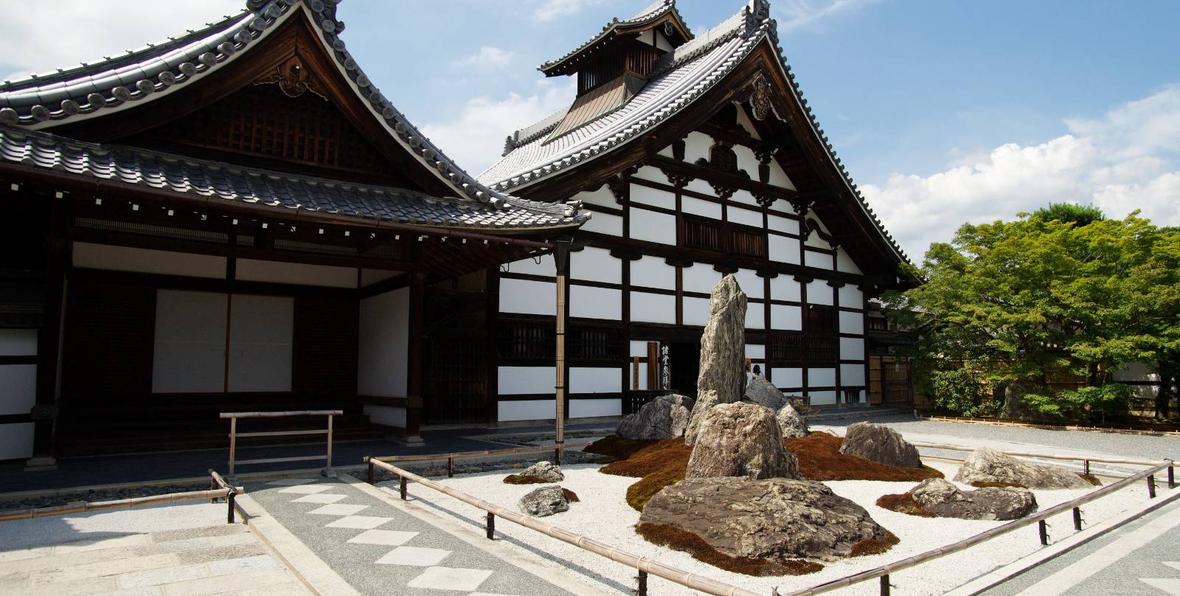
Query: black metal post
x,y
1171,476
642,591
557,455
885,585
1086,467
403,487
229,500
491,526
451,466
1151,486
1043,529
370,476
1077,518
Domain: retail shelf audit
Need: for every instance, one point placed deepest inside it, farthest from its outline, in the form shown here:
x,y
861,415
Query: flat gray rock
x,y
545,471
665,417
740,439
544,501
764,393
790,423
987,466
943,499
879,443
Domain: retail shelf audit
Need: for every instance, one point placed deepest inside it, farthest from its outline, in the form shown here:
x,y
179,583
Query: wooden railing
x,y
451,457
642,564
221,490
234,434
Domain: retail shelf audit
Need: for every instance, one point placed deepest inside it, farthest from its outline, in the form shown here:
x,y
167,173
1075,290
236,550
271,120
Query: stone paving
x,y
380,549
223,559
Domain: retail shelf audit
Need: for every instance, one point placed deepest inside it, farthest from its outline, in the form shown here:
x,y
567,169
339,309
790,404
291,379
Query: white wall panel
x,y
819,260
143,260
784,287
750,283
788,377
543,266
386,415
18,388
845,263
814,239
696,311
517,380
852,322
594,408
756,351
778,177
372,276
16,441
755,316
261,331
603,196
701,277
654,197
651,174
383,344
696,146
509,411
786,318
653,308
588,379
744,196
653,272
637,348
746,160
189,354
783,249
295,273
819,292
18,342
852,375
851,296
746,217
822,398
595,264
700,207
527,297
652,226
596,303
821,377
604,223
701,186
782,224
852,348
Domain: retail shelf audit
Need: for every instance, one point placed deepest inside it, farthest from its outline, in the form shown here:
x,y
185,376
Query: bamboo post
x,y
1043,530
642,591
329,441
1077,518
1151,486
561,258
233,442
491,526
885,585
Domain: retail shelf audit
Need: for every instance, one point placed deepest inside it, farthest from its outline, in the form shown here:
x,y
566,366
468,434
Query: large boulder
x,y
943,499
790,423
989,467
705,401
881,444
665,417
539,473
544,501
723,347
764,393
740,439
775,520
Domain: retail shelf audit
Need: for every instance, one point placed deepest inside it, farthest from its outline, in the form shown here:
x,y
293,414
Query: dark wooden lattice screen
x,y
713,235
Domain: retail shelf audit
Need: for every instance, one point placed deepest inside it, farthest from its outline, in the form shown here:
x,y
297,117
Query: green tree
x,y
1061,294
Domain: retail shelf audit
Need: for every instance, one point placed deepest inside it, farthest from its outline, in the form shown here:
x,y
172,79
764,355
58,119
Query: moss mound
x,y
820,459
524,479
903,503
616,446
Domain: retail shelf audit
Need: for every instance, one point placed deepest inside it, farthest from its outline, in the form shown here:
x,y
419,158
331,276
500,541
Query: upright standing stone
x,y
723,351
741,439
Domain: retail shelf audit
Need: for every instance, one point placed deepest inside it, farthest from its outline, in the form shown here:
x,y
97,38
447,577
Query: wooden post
x,y
561,256
885,585
451,466
416,357
1077,518
329,441
233,442
1086,467
229,500
1171,476
1151,486
491,526
1043,530
402,487
370,466
642,591
44,412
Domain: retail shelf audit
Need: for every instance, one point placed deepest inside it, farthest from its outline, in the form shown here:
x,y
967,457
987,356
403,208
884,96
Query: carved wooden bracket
x,y
723,191
293,78
677,179
619,182
761,98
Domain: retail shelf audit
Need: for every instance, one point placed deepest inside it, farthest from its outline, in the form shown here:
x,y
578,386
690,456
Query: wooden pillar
x,y
492,314
416,358
561,257
46,408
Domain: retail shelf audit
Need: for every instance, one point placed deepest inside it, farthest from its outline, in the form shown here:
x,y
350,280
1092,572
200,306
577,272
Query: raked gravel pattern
x,y
603,514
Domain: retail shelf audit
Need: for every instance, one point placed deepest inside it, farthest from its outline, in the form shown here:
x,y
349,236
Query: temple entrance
x,y
456,371
684,360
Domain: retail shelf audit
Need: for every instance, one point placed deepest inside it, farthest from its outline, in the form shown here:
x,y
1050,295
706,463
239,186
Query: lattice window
x,y
786,348
596,343
822,320
702,233
527,341
710,234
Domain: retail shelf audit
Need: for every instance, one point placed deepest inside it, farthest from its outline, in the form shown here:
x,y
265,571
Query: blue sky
x,y
943,111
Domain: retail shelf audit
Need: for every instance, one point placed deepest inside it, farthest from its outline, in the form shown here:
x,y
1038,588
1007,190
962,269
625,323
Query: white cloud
x,y
38,37
550,10
796,14
475,137
488,56
1124,161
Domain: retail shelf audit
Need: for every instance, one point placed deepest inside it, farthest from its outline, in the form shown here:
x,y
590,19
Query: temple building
x,y
238,219
699,157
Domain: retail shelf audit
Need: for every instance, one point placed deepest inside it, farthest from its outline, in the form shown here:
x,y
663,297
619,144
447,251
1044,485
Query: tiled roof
x,y
653,11
287,194
157,70
680,78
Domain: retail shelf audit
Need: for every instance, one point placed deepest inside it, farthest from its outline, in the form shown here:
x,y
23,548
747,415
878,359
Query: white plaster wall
x,y
653,272
755,316
700,278
508,411
652,226
653,308
851,296
701,186
822,398
783,249
189,346
386,415
593,408
700,207
784,287
18,388
786,318
604,223
746,160
518,380
814,239
595,264
651,174
744,196
295,273
779,223
819,260
788,377
755,351
654,197
637,348
744,121
819,292
543,266
586,379
696,311
746,217
852,322
602,196
778,177
845,263
750,283
852,375
696,146
262,330
372,276
383,344
141,260
528,297
18,342
852,348
821,377
16,441
596,303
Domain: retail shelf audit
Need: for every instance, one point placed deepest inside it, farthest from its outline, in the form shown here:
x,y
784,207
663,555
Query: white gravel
x,y
604,515
100,525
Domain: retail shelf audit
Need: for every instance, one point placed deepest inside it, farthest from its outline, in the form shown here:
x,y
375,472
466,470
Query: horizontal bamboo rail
x,y
1081,458
642,564
451,457
1039,518
234,434
225,415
